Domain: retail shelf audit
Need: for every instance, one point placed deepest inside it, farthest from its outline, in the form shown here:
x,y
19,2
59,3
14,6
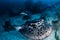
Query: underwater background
x,y
17,12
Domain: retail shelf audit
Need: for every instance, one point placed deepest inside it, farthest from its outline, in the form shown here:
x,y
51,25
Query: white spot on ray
x,y
18,28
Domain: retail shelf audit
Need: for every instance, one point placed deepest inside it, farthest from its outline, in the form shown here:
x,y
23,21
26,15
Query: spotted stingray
x,y
35,29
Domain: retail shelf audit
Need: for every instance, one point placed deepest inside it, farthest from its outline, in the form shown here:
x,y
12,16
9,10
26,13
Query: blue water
x,y
17,20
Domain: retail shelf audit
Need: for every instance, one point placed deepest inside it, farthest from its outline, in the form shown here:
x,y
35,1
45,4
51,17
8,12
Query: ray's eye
x,y
33,25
